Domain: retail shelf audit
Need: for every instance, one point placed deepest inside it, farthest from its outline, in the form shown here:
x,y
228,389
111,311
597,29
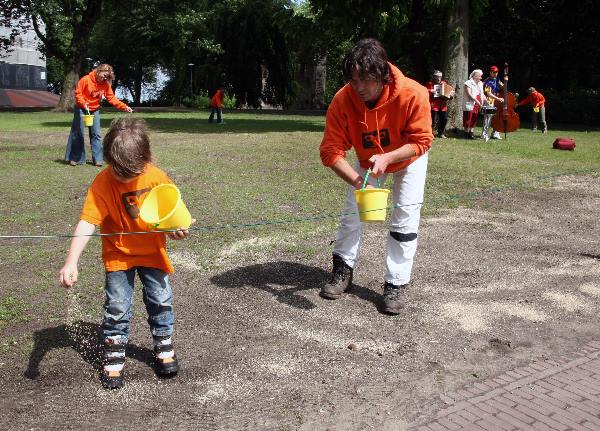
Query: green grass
x,y
11,310
257,170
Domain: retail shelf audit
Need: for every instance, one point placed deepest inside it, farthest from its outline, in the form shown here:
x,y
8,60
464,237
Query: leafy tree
x,y
64,27
255,55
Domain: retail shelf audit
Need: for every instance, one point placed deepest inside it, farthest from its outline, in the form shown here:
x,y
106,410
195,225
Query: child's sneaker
x,y
164,356
114,361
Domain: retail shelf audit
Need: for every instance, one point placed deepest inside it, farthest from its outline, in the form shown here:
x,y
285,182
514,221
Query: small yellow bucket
x,y
372,204
163,209
536,109
88,120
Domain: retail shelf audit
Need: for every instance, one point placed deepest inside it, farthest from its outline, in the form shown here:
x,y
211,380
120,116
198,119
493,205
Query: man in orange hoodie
x,y
538,102
88,94
216,104
386,118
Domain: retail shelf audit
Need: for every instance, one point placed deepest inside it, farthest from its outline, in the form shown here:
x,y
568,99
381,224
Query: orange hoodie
x,y
90,92
217,99
536,99
401,117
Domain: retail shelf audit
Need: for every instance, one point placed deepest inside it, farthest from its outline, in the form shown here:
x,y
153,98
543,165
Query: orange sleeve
x,y
80,91
112,99
524,101
418,124
336,140
94,209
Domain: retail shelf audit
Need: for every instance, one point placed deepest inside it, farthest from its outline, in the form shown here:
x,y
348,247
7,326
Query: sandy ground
x,y
513,281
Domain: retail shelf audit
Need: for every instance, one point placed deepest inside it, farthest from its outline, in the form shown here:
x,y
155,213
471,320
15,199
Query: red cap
x,y
494,69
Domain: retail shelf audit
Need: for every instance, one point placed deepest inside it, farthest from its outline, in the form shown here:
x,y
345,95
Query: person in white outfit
x,y
473,100
385,117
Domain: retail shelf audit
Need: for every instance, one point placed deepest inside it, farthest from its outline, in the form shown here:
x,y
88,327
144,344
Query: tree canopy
x,y
267,52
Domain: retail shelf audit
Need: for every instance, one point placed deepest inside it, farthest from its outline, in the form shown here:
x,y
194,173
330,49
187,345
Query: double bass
x,y
506,119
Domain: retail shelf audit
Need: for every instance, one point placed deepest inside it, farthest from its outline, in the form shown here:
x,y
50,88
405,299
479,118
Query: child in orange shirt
x,y
113,202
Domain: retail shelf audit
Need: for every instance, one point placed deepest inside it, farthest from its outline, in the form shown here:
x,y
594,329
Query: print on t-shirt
x,y
132,202
369,139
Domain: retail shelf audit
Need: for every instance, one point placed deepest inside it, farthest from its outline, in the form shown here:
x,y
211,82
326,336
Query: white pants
x,y
407,197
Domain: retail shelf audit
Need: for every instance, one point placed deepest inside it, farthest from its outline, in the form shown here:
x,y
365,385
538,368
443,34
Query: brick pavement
x,y
561,394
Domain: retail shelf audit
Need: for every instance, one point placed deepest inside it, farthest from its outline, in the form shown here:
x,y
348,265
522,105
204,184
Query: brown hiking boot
x,y
340,281
392,298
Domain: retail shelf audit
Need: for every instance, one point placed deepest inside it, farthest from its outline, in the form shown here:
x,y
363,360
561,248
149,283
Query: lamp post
x,y
191,65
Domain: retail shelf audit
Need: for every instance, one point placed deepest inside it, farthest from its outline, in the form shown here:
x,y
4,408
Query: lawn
x,y
256,180
260,349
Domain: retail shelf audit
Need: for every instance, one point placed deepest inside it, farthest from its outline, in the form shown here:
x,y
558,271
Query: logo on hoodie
x,y
369,139
131,201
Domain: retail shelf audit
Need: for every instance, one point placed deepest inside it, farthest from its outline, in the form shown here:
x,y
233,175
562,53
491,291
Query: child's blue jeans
x,y
157,296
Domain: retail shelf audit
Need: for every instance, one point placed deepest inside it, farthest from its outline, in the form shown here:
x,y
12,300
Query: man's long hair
x,y
369,59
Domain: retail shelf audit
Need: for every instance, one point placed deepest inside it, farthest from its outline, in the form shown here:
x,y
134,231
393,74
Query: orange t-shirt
x,y
114,206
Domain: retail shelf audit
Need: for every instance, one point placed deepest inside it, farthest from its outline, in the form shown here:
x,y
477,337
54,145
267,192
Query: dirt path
x,y
513,281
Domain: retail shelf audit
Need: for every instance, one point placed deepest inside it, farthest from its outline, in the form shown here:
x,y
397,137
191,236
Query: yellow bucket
x,y
163,209
372,204
88,120
536,109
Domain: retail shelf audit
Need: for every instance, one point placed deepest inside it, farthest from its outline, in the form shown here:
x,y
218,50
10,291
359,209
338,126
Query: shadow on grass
x,y
262,124
590,255
83,337
284,280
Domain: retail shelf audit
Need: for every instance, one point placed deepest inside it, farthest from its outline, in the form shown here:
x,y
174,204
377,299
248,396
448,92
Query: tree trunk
x,y
72,56
320,84
456,57
67,96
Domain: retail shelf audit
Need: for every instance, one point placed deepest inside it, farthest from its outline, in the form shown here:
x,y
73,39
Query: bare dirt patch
x,y
513,281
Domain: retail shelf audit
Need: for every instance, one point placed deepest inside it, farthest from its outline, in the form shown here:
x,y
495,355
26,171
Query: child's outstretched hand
x,y
68,275
181,233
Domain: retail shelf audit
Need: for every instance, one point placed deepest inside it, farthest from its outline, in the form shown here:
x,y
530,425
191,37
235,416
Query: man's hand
x,y
380,163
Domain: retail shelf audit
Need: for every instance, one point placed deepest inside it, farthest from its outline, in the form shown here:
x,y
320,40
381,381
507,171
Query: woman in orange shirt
x,y
88,94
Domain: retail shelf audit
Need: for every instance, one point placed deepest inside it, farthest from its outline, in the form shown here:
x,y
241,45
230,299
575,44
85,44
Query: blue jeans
x,y
212,115
157,296
75,144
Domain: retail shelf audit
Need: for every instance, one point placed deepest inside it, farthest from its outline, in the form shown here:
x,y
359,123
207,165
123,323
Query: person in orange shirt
x,y
88,95
439,104
386,118
538,102
113,202
216,104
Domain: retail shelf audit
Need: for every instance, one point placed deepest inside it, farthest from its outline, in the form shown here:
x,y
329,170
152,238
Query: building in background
x,y
23,82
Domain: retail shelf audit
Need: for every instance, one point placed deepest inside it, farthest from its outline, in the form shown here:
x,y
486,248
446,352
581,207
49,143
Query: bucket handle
x,y
365,180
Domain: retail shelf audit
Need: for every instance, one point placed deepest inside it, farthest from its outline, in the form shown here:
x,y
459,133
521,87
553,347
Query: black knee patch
x,y
403,237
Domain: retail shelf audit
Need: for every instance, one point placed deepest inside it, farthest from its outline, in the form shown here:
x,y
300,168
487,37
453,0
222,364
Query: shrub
x,y
581,106
202,101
